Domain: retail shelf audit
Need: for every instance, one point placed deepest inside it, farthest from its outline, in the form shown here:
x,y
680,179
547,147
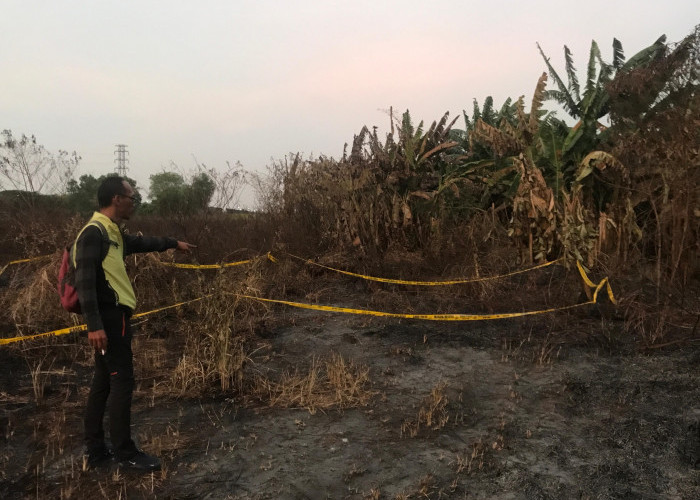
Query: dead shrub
x,y
35,303
215,341
286,276
212,350
653,324
655,112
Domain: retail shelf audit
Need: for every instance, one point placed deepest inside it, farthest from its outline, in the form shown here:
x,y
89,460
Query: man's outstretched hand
x,y
183,246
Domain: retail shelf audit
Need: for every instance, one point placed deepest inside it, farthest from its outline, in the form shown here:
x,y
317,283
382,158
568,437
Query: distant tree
x,y
171,195
82,194
30,169
165,182
200,192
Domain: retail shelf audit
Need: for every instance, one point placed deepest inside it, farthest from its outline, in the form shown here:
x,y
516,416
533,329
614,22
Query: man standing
x,y
107,300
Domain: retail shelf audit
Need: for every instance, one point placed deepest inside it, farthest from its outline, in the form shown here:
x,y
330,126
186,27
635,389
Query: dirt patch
x,y
504,409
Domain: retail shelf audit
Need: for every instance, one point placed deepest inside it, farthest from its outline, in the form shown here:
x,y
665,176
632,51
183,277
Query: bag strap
x,y
106,242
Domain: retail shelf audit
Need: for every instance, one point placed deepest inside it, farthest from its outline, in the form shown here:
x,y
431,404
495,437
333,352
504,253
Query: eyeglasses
x,y
134,199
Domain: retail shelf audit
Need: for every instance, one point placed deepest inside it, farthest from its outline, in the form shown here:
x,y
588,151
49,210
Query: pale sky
x,y
249,81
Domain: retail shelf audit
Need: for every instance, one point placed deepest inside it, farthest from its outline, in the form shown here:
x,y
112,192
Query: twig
x,y
660,346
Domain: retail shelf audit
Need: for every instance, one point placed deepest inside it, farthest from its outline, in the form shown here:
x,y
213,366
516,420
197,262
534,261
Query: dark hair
x,y
109,188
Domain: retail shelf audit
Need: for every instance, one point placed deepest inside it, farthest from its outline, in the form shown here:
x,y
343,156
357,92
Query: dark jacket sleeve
x,y
87,261
140,244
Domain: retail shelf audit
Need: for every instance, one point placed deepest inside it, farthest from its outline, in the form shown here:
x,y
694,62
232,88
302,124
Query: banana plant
x,y
593,103
394,182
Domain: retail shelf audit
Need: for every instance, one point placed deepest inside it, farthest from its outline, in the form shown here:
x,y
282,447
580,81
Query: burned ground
x,y
546,407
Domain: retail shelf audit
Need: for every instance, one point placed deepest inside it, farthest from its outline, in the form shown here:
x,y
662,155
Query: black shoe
x,y
99,458
141,461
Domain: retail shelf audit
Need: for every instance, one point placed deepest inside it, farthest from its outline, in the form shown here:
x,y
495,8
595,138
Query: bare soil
x,y
529,410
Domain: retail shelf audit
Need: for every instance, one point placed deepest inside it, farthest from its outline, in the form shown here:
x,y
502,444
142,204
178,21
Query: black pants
x,y
113,382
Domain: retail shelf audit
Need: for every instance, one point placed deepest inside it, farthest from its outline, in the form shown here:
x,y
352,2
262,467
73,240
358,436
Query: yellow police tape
x,y
20,261
80,328
207,266
590,284
62,331
426,283
140,315
28,260
217,266
170,264
429,317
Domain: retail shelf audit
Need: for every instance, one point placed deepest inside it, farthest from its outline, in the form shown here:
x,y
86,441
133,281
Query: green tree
x,y
167,193
171,195
200,192
82,194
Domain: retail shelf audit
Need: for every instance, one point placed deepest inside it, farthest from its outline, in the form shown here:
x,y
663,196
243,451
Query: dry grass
x,y
432,414
331,384
33,300
39,375
217,337
214,351
473,460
